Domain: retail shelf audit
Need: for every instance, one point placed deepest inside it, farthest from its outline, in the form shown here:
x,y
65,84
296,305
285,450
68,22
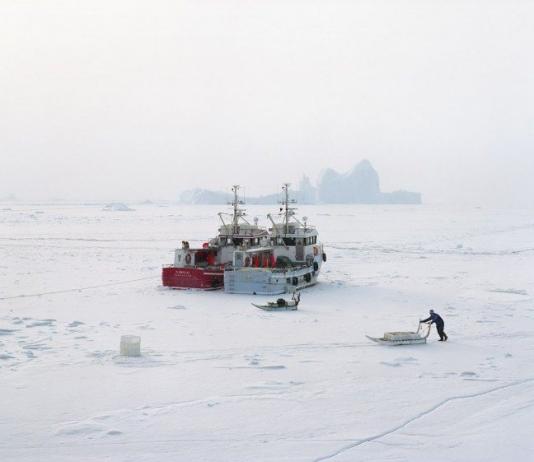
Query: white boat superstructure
x,y
203,268
238,233
294,239
291,261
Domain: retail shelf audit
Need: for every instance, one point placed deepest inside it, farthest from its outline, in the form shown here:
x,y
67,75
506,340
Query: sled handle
x,y
428,330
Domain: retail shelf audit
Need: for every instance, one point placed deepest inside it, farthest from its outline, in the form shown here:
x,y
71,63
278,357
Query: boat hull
x,y
192,278
264,281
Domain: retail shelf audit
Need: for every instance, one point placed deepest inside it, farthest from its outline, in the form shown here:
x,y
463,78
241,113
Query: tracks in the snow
x,y
369,439
78,289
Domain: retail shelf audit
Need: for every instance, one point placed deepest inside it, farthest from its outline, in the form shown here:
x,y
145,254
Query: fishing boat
x,y
291,261
203,267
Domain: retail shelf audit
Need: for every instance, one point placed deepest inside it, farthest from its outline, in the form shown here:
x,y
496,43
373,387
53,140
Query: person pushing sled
x,y
436,319
413,338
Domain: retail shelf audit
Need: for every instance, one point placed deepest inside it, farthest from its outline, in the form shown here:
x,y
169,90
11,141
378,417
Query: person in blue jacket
x,y
436,319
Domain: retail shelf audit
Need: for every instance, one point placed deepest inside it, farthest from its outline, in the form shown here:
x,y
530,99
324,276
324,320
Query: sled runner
x,y
403,338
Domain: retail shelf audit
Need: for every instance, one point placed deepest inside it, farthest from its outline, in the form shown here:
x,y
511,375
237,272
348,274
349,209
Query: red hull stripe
x,y
192,278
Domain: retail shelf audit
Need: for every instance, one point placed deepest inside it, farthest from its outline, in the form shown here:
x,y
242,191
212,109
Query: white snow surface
x,y
220,380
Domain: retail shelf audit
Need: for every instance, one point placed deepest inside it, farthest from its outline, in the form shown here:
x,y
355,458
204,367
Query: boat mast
x,y
237,211
285,188
288,211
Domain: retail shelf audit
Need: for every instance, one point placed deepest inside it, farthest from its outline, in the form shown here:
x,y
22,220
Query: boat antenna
x,y
238,213
288,211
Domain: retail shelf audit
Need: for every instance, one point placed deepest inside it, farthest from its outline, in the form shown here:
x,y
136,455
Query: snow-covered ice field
x,y
220,380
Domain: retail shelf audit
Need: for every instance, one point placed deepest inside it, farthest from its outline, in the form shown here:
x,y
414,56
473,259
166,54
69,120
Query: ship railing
x,y
280,230
270,270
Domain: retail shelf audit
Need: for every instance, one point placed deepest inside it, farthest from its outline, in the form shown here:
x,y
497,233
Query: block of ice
x,y
130,345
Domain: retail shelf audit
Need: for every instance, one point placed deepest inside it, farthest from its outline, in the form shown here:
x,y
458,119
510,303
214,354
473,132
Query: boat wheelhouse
x,y
291,261
203,267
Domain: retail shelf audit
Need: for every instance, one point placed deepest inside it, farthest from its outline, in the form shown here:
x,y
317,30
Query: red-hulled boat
x,y
203,268
194,268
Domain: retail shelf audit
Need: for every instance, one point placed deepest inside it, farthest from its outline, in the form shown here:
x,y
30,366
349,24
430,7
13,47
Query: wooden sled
x,y
403,338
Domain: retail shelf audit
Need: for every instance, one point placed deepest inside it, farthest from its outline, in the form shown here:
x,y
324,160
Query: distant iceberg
x,y
204,196
116,207
361,185
9,198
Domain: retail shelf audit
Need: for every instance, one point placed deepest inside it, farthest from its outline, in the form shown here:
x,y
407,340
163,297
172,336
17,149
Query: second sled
x,y
273,306
281,304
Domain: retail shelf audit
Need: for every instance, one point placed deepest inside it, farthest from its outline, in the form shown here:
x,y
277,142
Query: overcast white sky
x,y
134,100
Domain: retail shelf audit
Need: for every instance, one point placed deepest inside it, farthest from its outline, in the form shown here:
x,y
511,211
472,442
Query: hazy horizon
x,y
135,100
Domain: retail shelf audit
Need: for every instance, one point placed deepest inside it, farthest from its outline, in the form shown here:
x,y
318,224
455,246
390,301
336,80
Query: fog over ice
x,y
134,100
